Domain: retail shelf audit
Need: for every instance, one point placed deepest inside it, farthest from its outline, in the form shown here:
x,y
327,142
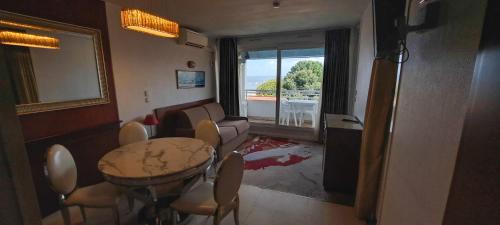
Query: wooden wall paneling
x,y
87,13
87,147
168,116
88,132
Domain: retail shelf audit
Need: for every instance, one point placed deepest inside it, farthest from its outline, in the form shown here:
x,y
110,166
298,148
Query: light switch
x,y
146,96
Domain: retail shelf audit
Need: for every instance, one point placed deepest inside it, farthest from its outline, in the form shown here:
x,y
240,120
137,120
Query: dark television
x,y
387,36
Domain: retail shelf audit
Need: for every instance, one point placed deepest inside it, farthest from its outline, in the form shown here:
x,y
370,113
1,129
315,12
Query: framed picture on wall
x,y
190,79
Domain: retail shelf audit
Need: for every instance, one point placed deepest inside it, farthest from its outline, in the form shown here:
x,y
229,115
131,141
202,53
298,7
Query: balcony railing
x,y
285,94
297,107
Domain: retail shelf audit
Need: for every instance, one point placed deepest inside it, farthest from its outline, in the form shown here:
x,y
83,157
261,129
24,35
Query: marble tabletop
x,y
156,158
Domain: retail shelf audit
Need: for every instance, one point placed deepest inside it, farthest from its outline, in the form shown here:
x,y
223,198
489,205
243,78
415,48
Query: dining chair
x,y
310,110
286,111
132,132
208,131
61,172
215,199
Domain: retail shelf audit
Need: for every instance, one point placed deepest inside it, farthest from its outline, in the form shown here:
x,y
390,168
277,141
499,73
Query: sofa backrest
x,y
215,111
193,117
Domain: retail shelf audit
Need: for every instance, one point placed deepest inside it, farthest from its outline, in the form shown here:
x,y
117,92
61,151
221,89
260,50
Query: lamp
x,y
28,40
22,25
138,20
150,121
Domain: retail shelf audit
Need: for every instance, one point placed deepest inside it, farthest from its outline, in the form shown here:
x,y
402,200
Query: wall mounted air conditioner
x,y
191,38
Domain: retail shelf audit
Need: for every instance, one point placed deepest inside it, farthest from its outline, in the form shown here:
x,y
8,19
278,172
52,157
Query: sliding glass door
x,y
282,87
258,91
300,87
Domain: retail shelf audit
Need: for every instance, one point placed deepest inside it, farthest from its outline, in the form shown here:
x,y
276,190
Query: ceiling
x,y
249,17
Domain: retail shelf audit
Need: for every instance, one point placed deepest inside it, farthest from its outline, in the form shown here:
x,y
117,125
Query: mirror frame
x,y
23,109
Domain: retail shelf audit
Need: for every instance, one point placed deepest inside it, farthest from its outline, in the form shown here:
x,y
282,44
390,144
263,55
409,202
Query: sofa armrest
x,y
235,118
184,132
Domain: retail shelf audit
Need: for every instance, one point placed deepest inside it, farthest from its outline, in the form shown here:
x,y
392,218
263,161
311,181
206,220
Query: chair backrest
x,y
189,118
215,111
228,180
284,104
132,132
208,131
61,169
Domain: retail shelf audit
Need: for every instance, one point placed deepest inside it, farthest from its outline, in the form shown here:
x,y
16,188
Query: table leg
x,y
152,191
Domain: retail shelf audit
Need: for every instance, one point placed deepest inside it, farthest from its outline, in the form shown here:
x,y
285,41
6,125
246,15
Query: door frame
x,y
278,86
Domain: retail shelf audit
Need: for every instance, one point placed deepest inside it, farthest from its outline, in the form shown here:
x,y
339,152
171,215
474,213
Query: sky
x,y
260,70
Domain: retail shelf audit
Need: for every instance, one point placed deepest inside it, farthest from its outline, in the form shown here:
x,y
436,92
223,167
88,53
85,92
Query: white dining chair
x,y
208,131
286,110
310,110
216,199
132,132
61,172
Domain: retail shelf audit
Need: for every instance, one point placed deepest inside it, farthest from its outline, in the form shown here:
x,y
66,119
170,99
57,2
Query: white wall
x,y
365,60
143,62
434,87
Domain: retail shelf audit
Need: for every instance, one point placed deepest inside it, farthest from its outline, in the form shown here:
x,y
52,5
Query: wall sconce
x,y
191,64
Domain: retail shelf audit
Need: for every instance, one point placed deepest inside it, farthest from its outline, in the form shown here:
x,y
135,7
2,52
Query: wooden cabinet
x,y
342,138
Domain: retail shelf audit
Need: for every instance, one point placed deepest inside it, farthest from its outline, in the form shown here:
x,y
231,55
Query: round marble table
x,y
156,161
152,163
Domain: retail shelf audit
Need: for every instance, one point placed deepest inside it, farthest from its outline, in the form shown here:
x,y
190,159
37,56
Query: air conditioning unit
x,y
191,38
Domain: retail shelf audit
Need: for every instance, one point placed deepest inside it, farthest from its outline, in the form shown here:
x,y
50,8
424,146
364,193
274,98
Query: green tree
x,y
304,75
268,88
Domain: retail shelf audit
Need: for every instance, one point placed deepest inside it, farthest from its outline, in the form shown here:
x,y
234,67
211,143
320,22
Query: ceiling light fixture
x,y
28,40
22,25
276,4
138,20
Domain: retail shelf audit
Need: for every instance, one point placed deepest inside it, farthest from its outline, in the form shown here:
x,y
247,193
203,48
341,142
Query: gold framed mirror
x,y
52,65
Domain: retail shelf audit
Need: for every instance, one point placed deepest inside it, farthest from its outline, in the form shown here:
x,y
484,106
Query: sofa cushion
x,y
240,125
227,134
215,111
195,115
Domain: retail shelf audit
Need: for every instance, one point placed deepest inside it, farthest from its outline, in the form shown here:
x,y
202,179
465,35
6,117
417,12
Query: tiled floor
x,y
258,207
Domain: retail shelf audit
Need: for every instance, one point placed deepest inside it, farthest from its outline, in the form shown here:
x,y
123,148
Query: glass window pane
x,y
258,98
301,82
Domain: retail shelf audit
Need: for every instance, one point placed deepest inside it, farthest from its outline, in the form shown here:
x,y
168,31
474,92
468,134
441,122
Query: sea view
x,y
251,82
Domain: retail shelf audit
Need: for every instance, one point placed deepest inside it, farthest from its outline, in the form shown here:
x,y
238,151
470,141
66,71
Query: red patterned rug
x,y
261,152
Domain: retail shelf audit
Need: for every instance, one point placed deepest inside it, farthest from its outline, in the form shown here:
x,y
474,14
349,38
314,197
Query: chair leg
x,y
217,219
131,203
174,217
301,119
116,215
313,119
65,215
295,117
84,215
236,211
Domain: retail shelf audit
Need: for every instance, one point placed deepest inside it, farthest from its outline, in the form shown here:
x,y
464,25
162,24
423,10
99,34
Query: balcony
x,y
298,108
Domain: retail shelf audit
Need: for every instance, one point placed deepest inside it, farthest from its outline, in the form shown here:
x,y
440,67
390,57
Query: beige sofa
x,y
233,130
